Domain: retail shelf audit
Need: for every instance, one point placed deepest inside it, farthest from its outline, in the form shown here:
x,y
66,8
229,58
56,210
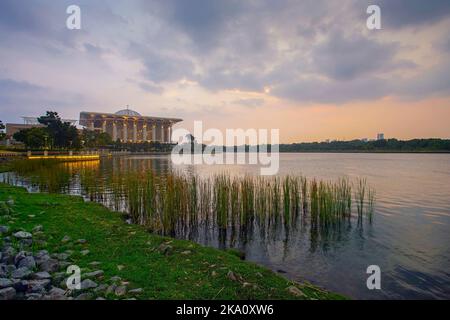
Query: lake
x,y
409,237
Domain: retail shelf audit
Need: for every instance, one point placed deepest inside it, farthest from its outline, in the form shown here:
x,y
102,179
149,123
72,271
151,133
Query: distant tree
x,y
33,138
93,139
62,134
2,131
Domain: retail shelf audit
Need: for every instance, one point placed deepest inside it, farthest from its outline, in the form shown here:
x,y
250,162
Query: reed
x,y
175,202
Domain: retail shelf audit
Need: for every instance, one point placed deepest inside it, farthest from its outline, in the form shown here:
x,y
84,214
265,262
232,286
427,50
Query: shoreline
x,y
164,268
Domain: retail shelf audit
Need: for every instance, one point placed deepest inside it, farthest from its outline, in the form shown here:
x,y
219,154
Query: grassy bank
x,y
182,270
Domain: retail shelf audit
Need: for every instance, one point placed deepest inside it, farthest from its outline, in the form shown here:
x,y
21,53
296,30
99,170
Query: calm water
x,y
409,238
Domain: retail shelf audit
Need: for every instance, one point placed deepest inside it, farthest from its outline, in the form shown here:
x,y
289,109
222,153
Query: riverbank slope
x,y
161,268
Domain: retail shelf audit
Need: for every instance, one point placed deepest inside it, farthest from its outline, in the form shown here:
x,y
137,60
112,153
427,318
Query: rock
x,y
21,273
38,228
8,254
120,291
10,202
111,289
214,274
84,296
100,298
22,235
295,291
41,259
84,252
4,230
21,255
62,256
3,271
5,283
7,293
88,284
41,275
120,267
27,262
38,286
41,253
56,294
246,284
232,276
33,296
101,288
95,263
136,291
64,264
20,285
94,274
24,243
185,253
50,265
65,239
115,279
165,249
81,241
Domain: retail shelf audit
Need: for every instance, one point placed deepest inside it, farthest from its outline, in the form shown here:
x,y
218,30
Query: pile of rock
x,y
27,275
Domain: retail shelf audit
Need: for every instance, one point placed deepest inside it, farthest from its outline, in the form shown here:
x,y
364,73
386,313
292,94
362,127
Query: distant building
x,y
129,126
28,123
365,140
380,136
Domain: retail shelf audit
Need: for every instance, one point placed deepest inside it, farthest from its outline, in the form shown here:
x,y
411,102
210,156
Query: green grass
x,y
113,243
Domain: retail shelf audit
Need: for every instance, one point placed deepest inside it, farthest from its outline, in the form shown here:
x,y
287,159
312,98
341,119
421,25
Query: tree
x,y
33,138
93,139
2,133
62,134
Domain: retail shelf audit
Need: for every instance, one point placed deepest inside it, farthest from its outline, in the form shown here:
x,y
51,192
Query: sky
x,y
310,68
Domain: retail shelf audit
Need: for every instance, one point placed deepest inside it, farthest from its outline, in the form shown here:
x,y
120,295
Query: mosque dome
x,y
128,112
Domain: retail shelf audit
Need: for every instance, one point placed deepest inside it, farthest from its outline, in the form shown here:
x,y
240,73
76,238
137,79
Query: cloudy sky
x,y
308,67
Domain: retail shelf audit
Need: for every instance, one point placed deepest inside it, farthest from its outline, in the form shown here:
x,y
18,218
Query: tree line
x,y
55,134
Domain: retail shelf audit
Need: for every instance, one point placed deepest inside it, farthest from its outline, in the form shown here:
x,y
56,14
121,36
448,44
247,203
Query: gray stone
x,y
111,289
295,291
23,235
5,283
95,263
120,291
136,291
88,284
27,262
84,296
41,275
4,230
81,241
101,288
94,274
50,265
115,279
38,228
62,256
33,296
84,252
41,253
100,298
165,249
24,243
20,285
56,294
65,239
21,273
38,286
7,293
